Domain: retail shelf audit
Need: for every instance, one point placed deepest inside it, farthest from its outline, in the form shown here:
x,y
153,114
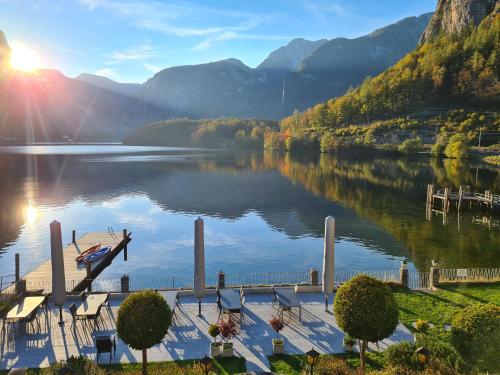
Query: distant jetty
x,y
461,197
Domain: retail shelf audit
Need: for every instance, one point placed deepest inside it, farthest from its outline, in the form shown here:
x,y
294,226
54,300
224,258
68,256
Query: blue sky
x,y
130,40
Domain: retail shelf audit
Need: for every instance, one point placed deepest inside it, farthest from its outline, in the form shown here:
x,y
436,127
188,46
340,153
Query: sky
x,y
131,40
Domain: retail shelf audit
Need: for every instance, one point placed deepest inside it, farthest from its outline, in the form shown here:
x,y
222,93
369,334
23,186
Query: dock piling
x,y
88,267
125,242
17,267
73,236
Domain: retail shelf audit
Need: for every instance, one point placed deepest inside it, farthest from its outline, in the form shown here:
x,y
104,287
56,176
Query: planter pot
x,y
215,351
227,352
278,348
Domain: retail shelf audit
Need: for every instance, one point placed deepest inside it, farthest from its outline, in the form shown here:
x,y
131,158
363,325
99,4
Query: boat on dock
x,y
96,255
88,252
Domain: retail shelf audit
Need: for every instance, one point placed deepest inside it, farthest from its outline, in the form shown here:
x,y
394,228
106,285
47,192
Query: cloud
x,y
137,53
172,18
152,68
109,73
231,35
323,11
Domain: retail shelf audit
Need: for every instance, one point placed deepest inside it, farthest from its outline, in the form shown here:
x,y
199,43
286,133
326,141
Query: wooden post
x,y
17,267
221,280
403,274
125,284
460,197
73,236
125,242
313,276
88,267
446,198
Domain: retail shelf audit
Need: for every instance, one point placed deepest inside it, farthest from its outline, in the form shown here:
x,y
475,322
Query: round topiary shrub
x,y
143,320
475,333
365,309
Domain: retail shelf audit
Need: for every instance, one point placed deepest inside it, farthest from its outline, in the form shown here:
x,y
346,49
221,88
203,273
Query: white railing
x,y
469,275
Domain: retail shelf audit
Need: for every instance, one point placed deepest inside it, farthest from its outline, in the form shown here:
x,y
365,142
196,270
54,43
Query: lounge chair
x,y
172,298
287,299
230,301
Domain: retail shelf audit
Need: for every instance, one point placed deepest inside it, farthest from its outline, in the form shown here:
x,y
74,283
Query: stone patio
x,y
188,337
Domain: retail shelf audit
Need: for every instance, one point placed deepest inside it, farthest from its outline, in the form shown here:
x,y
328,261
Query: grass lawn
x,y
440,306
295,364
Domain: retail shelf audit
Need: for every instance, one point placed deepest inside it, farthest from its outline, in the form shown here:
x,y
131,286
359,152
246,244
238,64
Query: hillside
x,y
453,71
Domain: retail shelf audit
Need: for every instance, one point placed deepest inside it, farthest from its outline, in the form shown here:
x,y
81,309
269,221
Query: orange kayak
x,y
87,252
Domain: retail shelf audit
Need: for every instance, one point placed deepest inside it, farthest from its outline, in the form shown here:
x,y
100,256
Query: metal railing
x,y
469,275
6,281
341,276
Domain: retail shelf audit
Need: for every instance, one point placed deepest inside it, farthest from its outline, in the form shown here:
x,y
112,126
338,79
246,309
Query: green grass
x,y
440,306
295,364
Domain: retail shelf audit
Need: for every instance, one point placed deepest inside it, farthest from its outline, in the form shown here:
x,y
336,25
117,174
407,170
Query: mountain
x,y
228,88
222,88
289,57
47,106
452,16
129,89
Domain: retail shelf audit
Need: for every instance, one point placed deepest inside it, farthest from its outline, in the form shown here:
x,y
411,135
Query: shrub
x,y
458,147
365,309
213,331
143,320
80,366
401,355
441,350
475,333
328,365
440,144
411,145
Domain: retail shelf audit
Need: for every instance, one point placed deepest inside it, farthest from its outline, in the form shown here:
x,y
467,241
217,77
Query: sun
x,y
24,58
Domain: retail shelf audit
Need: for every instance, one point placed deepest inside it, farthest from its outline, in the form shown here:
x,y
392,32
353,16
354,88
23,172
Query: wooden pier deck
x,y
463,196
78,275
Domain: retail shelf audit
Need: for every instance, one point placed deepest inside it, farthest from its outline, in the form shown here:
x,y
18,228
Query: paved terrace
x,y
188,337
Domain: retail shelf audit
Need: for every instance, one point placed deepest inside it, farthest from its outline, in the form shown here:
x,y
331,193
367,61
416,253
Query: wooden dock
x,y
78,275
461,197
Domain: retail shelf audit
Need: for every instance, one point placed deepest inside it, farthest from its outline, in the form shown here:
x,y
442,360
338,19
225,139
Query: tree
x,y
458,147
365,309
476,335
143,320
411,145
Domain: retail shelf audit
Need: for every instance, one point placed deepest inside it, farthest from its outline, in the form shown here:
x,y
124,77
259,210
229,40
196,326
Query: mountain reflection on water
x,y
263,211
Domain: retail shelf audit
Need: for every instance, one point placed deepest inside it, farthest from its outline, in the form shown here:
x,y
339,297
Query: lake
x,y
263,211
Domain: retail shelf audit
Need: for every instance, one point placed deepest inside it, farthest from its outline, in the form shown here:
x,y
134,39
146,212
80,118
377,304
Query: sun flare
x,y
24,58
31,214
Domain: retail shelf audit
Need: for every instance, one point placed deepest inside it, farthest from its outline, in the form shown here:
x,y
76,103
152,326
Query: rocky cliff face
x,y
452,16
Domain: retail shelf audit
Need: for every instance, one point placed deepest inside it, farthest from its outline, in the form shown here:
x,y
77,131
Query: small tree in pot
x,y
278,344
215,347
349,342
227,331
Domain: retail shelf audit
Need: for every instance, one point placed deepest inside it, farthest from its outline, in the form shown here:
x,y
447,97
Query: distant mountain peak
x,y
451,16
290,56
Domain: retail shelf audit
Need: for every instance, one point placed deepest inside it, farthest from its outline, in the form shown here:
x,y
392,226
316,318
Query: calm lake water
x,y
262,211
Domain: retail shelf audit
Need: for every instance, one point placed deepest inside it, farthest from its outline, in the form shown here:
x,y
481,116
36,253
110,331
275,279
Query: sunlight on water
x,y
31,214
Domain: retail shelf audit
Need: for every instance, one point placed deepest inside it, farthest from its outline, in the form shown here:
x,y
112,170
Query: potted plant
x,y
349,343
278,344
227,330
215,347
